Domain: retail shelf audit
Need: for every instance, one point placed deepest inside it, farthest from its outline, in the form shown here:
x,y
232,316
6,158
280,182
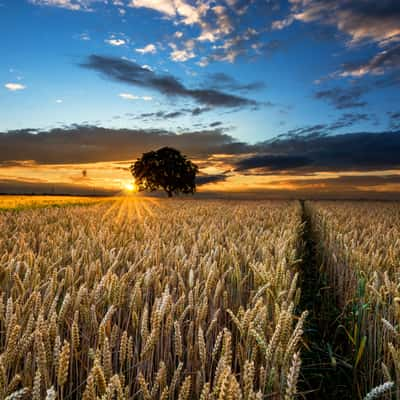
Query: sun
x,y
130,187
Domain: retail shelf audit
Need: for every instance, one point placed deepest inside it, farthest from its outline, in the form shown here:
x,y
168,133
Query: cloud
x,y
273,162
394,117
161,115
59,101
149,49
131,73
182,55
116,42
315,153
282,23
130,96
87,144
205,179
181,9
377,65
84,36
73,5
342,98
366,20
215,124
13,87
345,121
163,6
185,54
223,81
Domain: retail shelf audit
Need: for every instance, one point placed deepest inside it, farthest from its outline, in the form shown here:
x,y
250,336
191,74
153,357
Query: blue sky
x,y
280,67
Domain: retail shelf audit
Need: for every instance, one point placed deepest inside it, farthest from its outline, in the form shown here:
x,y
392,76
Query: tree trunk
x,y
169,193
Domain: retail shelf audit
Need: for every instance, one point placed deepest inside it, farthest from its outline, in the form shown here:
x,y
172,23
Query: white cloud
x,y
84,36
203,62
283,23
150,48
130,96
59,101
178,34
163,6
115,42
13,87
176,8
73,5
145,66
182,55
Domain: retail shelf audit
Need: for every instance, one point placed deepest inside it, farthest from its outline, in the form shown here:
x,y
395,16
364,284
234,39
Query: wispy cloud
x,y
148,49
342,98
131,73
384,61
376,21
182,55
13,87
116,42
73,5
129,96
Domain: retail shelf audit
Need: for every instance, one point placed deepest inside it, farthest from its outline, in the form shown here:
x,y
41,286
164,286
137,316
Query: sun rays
x,y
124,209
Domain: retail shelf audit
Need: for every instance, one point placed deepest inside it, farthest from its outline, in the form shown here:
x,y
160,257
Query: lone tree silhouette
x,y
165,169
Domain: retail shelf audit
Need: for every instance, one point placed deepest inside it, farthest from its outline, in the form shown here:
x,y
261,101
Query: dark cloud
x,y
349,181
273,162
361,20
199,110
384,61
161,115
345,121
81,144
315,152
342,98
121,70
394,120
302,151
222,81
215,124
205,179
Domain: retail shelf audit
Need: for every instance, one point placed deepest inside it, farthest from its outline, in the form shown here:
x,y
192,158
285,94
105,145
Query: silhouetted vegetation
x,y
165,169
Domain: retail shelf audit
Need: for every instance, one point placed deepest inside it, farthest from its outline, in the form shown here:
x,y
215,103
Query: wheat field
x,y
147,299
128,298
359,249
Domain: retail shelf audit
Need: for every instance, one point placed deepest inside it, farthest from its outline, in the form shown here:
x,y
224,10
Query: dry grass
x,y
360,252
188,300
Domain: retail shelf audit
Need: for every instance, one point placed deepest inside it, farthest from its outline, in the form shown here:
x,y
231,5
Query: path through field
x,y
325,376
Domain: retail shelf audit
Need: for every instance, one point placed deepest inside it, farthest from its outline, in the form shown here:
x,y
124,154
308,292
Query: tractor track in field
x,y
324,374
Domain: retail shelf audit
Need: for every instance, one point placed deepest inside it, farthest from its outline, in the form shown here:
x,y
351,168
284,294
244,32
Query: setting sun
x,y
130,187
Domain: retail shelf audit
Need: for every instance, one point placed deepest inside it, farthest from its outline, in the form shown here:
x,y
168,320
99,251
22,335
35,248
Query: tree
x,y
165,169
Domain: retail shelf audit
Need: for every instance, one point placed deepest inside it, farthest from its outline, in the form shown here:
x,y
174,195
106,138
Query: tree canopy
x,y
165,169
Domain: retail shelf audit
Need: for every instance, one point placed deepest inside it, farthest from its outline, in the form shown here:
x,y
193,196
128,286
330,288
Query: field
x,y
197,299
15,202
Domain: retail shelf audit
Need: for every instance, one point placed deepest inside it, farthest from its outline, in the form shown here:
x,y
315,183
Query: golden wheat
x,y
136,299
359,247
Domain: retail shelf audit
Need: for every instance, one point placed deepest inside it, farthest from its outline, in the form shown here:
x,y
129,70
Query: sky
x,y
277,98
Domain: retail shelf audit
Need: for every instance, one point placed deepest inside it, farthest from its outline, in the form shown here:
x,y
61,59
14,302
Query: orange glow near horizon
x,y
115,177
